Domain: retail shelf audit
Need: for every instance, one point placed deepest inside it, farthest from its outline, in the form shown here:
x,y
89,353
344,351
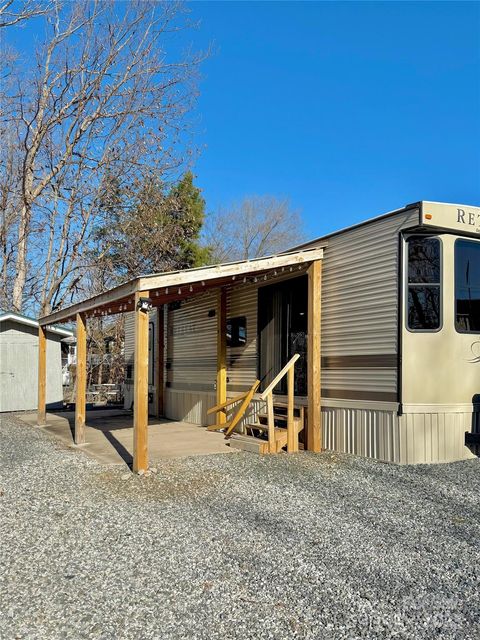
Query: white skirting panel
x,y
414,438
192,406
370,433
437,437
189,406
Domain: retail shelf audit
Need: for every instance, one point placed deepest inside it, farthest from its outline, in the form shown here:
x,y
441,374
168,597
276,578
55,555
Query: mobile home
x,y
369,338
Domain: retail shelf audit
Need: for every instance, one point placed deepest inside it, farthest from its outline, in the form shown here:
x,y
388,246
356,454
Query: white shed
x,y
19,363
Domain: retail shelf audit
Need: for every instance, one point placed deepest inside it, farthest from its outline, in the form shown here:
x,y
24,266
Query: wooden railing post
x,y
140,387
42,376
81,379
292,431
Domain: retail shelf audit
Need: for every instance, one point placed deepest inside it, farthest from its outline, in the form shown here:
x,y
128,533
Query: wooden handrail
x,y
227,403
228,427
279,376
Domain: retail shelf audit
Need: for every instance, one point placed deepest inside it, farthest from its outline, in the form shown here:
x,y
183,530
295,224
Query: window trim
x,y
473,241
424,284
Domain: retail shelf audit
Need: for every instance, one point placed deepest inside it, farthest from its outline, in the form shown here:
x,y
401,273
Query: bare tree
x,y
105,98
257,226
12,13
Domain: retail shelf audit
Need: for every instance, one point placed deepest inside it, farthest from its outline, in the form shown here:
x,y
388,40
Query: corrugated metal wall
x,y
365,432
19,368
413,438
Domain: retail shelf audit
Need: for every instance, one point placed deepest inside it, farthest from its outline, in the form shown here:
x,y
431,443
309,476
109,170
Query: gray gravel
x,y
234,546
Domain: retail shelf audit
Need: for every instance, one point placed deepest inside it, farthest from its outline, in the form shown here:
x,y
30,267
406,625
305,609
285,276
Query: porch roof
x,y
176,285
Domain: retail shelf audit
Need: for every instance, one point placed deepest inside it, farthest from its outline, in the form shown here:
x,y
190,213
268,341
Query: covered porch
x,y
109,436
139,296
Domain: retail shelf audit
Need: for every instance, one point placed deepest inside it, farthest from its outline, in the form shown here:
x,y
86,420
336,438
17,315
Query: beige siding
x,y
192,344
242,361
129,354
360,303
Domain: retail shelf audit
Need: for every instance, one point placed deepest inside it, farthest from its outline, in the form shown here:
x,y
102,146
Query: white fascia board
x,y
29,322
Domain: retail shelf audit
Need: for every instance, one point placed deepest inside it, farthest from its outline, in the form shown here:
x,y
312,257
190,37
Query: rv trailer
x,y
400,338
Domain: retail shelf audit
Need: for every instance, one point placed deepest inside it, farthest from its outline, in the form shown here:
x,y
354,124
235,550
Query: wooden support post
x,y
222,352
161,363
81,379
292,431
42,376
272,445
314,417
140,387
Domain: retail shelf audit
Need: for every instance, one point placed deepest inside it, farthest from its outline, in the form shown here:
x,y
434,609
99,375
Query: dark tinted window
x,y
237,332
467,286
423,260
423,297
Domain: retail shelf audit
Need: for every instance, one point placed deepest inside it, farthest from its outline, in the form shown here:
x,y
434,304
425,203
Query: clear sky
x,y
350,109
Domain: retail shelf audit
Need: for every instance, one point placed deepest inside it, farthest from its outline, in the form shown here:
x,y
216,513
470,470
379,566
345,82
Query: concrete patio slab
x,y
109,436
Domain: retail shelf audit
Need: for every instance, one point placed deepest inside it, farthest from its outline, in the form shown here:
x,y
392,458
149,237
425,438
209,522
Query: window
x,y
423,295
237,332
467,286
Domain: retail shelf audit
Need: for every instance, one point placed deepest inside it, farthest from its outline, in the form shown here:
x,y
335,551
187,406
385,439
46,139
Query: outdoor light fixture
x,y
144,304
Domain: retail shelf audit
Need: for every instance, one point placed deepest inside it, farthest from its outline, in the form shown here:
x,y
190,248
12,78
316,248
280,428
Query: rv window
x,y
237,332
467,286
423,298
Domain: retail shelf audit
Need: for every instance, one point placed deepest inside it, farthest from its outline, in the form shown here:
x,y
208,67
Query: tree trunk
x,y
21,261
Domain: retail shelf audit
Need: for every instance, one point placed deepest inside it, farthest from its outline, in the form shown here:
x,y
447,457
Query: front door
x,y
282,332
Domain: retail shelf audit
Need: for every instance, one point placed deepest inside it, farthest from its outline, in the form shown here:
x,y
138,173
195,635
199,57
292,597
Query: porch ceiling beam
x,y
69,313
204,274
209,276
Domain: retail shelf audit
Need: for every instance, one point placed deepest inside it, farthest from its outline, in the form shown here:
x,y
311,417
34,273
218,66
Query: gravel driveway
x,y
234,546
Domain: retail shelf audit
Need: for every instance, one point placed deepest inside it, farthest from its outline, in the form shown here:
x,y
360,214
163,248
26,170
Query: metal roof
x,y
31,322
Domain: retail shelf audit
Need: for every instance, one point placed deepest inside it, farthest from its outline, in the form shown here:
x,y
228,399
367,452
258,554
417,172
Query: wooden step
x,y
256,445
278,416
248,443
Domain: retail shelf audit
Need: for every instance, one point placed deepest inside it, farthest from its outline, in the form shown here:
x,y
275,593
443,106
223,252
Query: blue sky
x,y
349,109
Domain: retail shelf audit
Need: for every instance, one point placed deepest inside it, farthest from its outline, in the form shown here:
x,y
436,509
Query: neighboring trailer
x,y
19,363
400,337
